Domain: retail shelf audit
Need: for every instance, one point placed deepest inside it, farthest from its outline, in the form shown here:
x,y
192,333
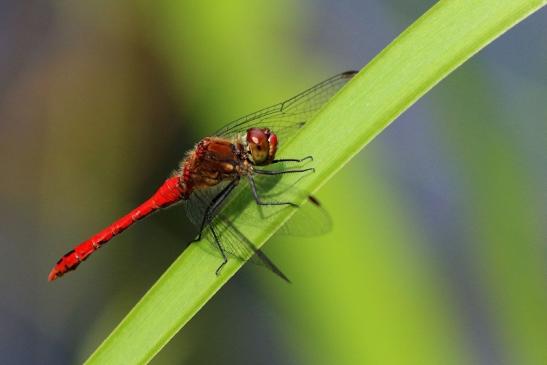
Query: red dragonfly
x,y
218,165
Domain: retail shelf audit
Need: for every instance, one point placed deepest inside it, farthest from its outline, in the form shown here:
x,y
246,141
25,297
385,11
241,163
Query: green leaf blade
x,y
436,44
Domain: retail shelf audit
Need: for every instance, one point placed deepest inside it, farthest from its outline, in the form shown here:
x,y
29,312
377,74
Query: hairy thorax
x,y
212,161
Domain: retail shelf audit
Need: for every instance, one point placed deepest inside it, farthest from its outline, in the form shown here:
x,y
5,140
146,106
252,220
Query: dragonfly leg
x,y
213,206
293,159
221,249
269,172
259,201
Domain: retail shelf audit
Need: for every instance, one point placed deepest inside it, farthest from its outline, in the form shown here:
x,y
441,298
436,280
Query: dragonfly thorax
x,y
261,145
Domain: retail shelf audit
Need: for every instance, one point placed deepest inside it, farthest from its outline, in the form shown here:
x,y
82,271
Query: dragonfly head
x,y
262,145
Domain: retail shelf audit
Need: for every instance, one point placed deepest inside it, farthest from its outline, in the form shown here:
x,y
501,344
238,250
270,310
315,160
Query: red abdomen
x,y
171,191
213,160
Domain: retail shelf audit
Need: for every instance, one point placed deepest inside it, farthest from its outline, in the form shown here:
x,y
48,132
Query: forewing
x,y
285,118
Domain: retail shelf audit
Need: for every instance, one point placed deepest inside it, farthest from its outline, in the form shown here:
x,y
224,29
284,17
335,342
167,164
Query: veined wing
x,y
234,243
310,219
285,118
237,245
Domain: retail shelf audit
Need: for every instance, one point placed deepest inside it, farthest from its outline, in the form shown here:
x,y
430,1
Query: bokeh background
x,y
438,253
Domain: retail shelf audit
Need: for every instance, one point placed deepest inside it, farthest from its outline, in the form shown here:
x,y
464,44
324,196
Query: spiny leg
x,y
293,159
281,172
260,202
213,206
221,249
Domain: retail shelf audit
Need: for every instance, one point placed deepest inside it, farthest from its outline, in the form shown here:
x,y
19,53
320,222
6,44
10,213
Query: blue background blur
x,y
438,253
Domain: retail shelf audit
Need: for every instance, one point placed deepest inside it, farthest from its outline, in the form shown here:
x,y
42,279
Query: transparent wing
x,y
234,243
309,219
199,200
221,218
285,118
237,245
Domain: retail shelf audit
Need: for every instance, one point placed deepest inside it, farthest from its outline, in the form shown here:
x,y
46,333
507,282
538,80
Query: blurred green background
x,y
438,253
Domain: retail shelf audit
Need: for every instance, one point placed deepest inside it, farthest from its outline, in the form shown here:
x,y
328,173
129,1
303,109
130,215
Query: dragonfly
x,y
210,175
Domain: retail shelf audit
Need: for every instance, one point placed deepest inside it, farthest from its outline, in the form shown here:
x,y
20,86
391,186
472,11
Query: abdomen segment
x,y
169,193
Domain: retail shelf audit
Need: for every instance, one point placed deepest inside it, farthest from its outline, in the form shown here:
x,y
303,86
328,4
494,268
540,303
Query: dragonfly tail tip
x,y
54,274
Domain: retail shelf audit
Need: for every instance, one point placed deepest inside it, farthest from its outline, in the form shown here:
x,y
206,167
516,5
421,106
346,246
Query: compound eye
x,y
257,136
259,144
272,141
